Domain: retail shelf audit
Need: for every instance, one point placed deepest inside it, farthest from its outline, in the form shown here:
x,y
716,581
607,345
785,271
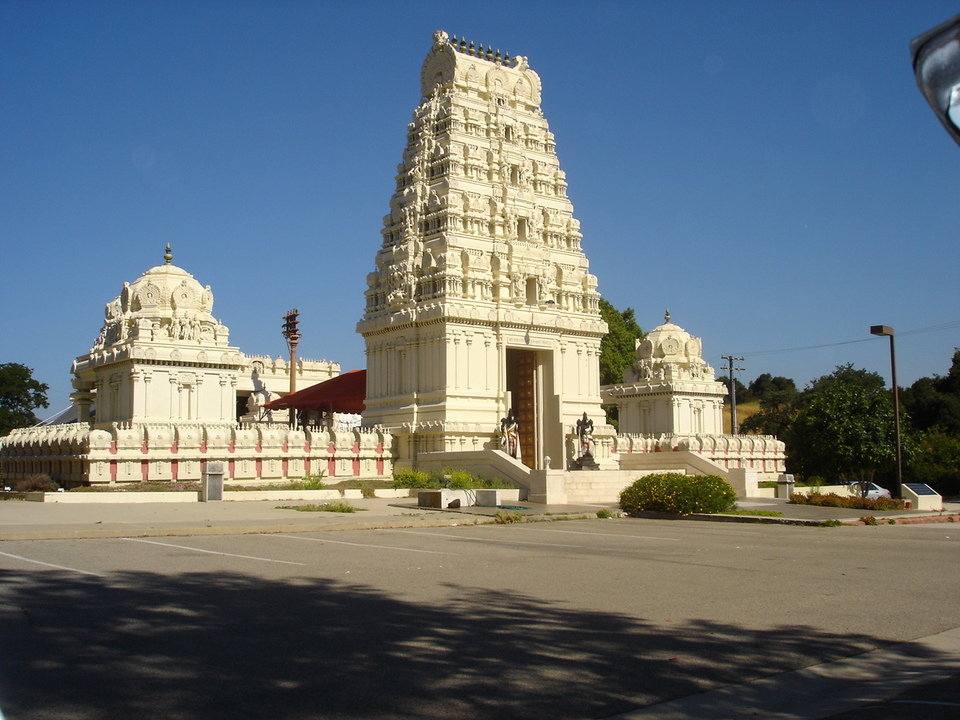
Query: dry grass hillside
x,y
744,410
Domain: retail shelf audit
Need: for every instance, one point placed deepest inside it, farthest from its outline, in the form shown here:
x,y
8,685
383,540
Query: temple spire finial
x,y
167,256
666,315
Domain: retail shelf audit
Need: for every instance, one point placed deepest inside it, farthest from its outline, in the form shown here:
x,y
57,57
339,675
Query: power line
x,y
917,331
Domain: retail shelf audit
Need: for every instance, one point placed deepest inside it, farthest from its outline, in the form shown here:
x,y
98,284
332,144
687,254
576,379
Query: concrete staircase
x,y
599,486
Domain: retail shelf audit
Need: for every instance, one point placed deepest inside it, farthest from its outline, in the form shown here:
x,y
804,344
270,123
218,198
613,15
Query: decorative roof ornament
x,y
167,256
666,315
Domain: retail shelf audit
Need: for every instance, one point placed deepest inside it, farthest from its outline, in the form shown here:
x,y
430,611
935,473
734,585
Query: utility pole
x,y
291,332
731,359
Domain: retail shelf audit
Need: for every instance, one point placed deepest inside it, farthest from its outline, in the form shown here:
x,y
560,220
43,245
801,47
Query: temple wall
x,y
75,454
759,453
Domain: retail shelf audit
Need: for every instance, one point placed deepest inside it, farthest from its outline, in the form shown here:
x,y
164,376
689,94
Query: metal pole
x,y
896,417
881,330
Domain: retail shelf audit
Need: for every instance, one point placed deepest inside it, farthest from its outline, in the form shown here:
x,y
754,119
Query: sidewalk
x,y
20,520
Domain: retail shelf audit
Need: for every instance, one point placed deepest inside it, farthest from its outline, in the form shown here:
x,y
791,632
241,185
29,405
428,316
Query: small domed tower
x,y
669,389
160,354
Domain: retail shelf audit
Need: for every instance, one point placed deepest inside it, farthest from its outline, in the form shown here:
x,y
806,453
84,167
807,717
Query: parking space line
x,y
476,539
212,552
616,535
367,545
51,565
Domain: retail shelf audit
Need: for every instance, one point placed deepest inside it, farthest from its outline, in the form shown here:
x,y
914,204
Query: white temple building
x,y
481,301
670,401
669,389
482,331
162,391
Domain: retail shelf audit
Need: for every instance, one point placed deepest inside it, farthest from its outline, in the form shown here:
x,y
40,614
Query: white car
x,y
869,490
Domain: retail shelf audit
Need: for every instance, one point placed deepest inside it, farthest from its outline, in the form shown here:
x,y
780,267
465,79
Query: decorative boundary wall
x,y
760,453
76,454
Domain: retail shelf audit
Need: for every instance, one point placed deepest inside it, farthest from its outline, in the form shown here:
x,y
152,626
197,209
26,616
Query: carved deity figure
x,y
510,435
585,434
256,401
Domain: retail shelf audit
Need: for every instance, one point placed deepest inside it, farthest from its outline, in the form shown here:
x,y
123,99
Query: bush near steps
x,y
678,494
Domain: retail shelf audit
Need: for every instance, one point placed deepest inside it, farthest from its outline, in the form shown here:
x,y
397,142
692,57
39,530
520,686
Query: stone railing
x,y
762,453
76,454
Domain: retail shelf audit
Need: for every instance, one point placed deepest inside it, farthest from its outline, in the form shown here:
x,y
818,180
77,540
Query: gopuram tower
x,y
481,302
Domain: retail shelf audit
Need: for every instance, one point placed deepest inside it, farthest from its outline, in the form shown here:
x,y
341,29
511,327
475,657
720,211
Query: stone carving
x,y
510,435
585,434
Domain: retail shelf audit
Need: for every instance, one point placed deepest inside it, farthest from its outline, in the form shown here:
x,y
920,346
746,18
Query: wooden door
x,y
525,404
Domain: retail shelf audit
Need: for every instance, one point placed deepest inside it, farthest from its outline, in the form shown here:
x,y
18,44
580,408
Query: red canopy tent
x,y
345,394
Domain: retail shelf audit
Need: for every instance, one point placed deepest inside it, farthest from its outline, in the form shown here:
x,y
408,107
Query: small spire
x,y
666,316
167,256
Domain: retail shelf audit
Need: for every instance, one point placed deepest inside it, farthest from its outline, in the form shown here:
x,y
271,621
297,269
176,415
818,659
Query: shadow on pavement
x,y
211,646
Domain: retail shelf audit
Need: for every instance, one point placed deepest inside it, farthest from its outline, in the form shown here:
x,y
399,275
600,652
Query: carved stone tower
x,y
481,300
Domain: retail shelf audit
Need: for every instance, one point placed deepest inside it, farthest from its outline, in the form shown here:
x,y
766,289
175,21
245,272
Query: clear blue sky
x,y
767,170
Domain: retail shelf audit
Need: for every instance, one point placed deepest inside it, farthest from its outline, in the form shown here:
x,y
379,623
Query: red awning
x,y
345,393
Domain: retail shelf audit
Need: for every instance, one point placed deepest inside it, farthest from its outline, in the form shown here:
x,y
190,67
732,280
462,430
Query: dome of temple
x,y
164,303
669,342
669,352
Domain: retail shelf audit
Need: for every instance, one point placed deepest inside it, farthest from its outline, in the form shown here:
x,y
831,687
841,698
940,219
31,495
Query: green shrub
x,y
868,520
367,490
39,482
454,478
407,478
459,479
313,481
677,493
338,506
505,518
843,501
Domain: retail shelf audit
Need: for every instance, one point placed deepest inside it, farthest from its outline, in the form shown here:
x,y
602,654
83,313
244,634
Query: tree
x,y
937,462
20,395
935,402
844,427
778,405
618,346
767,384
847,375
743,392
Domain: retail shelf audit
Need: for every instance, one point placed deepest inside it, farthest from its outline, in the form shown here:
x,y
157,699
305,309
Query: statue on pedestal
x,y
510,435
585,433
586,444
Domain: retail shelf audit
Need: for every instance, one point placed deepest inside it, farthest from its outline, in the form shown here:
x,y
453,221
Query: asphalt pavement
x,y
27,520
907,673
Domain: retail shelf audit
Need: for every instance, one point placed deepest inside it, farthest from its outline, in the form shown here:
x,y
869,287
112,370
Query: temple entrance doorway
x,y
522,388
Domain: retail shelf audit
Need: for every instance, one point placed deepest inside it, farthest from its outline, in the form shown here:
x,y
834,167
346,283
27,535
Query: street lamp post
x,y
888,331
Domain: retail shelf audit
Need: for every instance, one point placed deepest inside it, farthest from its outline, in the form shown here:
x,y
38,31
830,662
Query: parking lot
x,y
576,619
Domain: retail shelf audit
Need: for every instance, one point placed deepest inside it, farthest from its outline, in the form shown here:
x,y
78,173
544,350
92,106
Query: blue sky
x,y
767,170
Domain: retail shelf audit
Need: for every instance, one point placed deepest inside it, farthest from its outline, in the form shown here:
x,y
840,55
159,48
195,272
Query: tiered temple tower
x,y
481,300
